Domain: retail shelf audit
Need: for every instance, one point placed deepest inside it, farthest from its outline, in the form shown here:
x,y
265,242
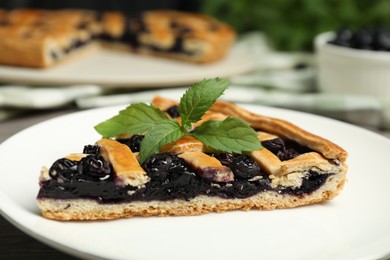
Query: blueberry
x,y
171,176
173,111
225,158
287,154
178,165
158,166
343,38
382,40
362,40
165,166
94,167
64,169
91,149
179,173
244,167
275,145
344,35
134,142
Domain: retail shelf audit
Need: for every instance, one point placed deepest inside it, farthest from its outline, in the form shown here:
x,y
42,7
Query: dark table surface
x,y
14,244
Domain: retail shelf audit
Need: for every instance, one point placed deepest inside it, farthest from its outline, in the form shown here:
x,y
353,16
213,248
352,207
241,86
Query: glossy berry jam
x,y
284,150
171,178
244,167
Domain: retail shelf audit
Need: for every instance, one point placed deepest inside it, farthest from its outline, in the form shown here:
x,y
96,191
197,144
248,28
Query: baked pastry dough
x,y
42,38
294,168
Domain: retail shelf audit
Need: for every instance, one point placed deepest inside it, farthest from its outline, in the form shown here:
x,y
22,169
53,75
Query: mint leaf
x,y
161,134
113,126
199,98
231,135
135,119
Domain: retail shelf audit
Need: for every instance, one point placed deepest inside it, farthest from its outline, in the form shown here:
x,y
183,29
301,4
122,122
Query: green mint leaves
x,y
164,133
199,98
231,135
135,119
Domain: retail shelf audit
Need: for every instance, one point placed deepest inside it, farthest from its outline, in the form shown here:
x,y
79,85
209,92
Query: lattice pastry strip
x,y
124,162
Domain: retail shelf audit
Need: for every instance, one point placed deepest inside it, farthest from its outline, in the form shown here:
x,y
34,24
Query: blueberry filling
x,y
284,150
170,178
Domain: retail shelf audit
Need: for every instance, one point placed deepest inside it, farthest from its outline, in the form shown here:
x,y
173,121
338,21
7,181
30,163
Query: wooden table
x,y
14,244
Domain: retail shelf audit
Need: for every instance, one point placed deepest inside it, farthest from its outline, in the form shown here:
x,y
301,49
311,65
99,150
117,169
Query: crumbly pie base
x,y
286,178
42,38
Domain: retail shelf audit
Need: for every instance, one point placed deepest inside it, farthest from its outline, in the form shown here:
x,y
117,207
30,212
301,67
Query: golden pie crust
x,y
124,162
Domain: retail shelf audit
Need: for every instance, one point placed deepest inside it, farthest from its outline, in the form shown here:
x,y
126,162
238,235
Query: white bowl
x,y
352,71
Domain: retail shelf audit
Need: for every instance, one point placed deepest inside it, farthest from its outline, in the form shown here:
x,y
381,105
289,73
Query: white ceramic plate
x,y
355,225
122,69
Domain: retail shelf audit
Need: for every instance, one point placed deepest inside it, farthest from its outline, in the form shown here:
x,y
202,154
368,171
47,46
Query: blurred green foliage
x,y
292,24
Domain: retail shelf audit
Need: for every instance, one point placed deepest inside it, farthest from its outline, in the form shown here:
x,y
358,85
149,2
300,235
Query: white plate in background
x,y
111,68
355,225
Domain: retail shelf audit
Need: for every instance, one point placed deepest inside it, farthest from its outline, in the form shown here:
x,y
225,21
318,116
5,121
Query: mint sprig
x,y
230,135
199,98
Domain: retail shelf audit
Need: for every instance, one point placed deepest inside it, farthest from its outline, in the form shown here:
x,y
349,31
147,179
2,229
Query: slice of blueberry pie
x,y
193,157
42,38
